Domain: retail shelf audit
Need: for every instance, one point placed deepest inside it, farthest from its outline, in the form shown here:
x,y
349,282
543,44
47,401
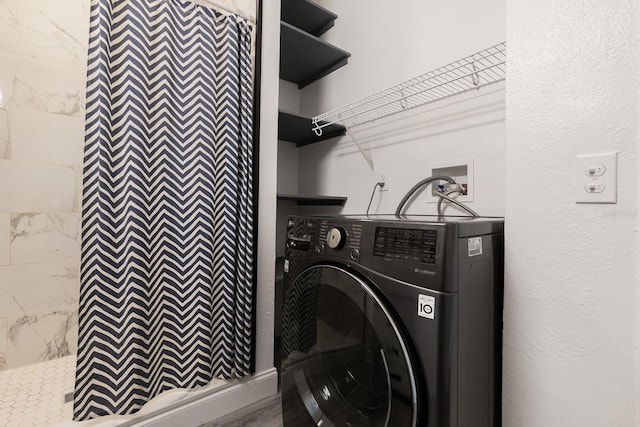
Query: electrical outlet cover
x,y
597,178
382,176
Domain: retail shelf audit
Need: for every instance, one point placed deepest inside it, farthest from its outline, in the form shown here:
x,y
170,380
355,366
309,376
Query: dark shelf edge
x,y
325,72
300,131
323,29
326,135
308,200
294,36
308,16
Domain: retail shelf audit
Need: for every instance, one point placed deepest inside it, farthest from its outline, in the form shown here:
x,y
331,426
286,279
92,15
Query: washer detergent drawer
x,y
344,359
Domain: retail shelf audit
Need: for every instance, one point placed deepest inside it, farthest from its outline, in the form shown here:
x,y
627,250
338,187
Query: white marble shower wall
x,y
43,55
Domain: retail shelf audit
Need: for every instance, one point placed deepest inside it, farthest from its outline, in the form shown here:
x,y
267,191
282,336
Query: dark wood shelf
x,y
293,127
308,16
305,58
308,200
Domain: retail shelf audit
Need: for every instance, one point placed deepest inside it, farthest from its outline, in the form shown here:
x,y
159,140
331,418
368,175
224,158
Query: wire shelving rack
x,y
470,73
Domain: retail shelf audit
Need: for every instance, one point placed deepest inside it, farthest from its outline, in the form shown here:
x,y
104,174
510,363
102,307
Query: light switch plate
x,y
597,178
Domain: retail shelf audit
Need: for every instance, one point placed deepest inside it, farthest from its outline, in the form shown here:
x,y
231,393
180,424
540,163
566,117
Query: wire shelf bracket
x,y
470,73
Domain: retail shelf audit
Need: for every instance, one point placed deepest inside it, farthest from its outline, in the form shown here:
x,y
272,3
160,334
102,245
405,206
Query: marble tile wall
x,y
43,56
3,344
5,240
43,49
4,133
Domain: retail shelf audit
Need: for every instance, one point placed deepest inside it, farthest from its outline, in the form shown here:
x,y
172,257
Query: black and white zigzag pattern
x,y
300,313
166,275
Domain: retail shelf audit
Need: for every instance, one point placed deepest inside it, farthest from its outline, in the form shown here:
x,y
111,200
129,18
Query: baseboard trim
x,y
202,409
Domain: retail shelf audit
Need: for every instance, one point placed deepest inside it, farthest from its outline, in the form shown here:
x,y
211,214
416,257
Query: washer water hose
x,y
428,181
454,201
418,186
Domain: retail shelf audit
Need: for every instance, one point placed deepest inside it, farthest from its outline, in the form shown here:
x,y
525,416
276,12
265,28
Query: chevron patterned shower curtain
x,y
166,272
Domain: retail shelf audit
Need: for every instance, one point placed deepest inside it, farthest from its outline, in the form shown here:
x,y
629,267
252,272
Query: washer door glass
x,y
345,362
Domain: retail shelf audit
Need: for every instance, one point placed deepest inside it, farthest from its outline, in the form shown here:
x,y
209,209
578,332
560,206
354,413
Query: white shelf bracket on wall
x,y
470,73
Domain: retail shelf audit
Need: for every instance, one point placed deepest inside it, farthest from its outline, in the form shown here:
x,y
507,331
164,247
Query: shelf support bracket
x,y
364,153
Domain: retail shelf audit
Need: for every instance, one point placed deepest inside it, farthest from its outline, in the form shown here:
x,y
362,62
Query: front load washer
x,y
392,322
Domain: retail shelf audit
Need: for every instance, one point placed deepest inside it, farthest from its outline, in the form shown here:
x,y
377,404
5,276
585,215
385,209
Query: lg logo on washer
x,y
426,306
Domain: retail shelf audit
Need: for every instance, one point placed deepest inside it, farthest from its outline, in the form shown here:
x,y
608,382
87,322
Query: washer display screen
x,y
406,244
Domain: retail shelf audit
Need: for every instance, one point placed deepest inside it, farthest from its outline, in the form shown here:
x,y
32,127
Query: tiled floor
x,y
34,395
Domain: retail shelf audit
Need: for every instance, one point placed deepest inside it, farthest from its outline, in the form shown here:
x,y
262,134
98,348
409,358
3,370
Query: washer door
x,y
344,360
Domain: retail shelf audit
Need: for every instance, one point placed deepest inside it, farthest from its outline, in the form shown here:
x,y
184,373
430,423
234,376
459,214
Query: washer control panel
x,y
422,252
345,239
307,236
341,234
409,252
418,245
336,238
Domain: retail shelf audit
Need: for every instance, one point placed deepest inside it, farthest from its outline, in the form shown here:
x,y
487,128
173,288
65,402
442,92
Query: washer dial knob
x,y
336,238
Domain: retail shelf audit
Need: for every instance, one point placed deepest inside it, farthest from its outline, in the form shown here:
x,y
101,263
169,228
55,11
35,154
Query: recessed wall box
x,y
460,170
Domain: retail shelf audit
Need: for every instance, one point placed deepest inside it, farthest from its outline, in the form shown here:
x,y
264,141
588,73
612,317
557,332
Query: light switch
x,y
597,178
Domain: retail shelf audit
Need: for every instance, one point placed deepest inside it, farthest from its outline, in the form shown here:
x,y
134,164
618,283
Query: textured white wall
x,y
267,184
387,49
571,301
